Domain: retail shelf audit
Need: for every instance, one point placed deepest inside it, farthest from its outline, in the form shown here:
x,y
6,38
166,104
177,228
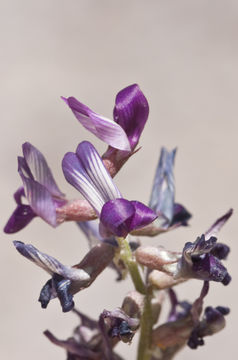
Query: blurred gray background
x,y
184,56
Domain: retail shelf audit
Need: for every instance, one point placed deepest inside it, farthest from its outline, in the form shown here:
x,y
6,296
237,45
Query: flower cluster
x,y
112,225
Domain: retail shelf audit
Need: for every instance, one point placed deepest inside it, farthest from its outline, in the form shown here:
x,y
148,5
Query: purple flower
x,y
40,190
67,280
199,261
87,173
130,115
122,135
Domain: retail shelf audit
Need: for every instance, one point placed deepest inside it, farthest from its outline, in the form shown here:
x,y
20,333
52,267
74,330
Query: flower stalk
x,y
127,257
146,324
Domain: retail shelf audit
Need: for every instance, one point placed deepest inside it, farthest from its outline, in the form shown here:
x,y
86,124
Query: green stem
x,y
146,324
127,257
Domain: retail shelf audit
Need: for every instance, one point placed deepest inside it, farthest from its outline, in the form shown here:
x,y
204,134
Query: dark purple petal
x,y
216,227
180,215
40,169
46,294
220,251
198,262
117,215
20,218
143,216
62,287
131,112
19,194
105,129
208,267
121,216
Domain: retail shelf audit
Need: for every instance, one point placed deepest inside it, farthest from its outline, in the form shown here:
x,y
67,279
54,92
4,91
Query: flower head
x,y
39,188
130,115
87,173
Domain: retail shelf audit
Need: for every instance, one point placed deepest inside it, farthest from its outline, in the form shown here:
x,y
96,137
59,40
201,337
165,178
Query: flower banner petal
x,y
40,169
38,196
87,173
131,112
105,129
50,264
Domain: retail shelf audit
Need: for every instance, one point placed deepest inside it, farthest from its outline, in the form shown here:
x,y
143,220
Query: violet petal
x,y
131,112
40,169
143,216
180,215
105,129
216,227
87,173
121,216
117,216
20,218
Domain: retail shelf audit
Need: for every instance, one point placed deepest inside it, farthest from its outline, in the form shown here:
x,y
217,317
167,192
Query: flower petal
x,y
50,264
86,172
198,262
180,215
116,216
37,195
20,218
121,216
215,228
40,169
131,112
162,196
105,129
143,216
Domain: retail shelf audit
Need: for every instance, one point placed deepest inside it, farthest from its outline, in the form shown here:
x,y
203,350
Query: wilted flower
x,y
87,342
199,260
117,324
95,340
187,326
162,200
213,321
40,190
67,280
86,172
